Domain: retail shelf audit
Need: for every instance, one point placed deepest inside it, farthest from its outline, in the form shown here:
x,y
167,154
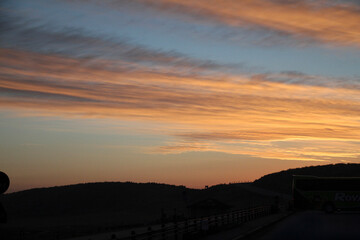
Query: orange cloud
x,y
289,150
212,111
324,22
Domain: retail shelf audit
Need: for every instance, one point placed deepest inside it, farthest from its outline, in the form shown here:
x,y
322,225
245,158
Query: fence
x,y
193,228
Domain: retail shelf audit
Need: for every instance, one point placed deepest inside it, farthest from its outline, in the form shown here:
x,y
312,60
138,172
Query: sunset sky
x,y
182,92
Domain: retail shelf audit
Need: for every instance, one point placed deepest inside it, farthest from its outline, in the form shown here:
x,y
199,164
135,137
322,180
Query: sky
x,y
181,92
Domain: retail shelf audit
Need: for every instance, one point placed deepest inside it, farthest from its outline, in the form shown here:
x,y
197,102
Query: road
x,y
314,225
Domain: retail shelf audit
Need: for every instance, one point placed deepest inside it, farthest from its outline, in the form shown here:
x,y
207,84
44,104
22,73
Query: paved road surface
x,y
314,225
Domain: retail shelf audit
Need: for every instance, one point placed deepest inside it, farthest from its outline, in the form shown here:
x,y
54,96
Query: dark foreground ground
x,y
314,225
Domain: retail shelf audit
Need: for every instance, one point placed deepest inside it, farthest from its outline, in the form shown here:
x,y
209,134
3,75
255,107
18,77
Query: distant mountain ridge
x,y
91,198
282,181
123,203
128,203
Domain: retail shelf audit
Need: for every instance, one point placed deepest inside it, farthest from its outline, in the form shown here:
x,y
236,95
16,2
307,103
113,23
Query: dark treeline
x,y
282,181
92,206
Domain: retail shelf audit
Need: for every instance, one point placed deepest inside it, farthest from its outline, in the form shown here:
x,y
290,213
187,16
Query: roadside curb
x,y
253,231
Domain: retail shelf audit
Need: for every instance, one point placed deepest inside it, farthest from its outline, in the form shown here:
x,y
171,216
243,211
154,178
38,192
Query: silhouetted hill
x,y
116,203
282,181
75,210
121,204
121,201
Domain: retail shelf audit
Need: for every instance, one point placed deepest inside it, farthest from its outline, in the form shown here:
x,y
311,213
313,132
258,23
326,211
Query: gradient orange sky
x,y
189,93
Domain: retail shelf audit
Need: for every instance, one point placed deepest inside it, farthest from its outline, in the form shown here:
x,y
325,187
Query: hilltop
x,y
115,200
282,181
83,208
124,202
118,203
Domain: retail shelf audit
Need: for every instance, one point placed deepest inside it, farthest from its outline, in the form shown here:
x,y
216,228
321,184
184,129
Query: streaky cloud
x,y
28,35
287,150
234,107
335,23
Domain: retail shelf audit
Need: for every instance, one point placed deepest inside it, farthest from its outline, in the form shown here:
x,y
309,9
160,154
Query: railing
x,y
193,228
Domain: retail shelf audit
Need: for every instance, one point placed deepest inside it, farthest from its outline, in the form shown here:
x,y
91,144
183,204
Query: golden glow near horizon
x,y
200,98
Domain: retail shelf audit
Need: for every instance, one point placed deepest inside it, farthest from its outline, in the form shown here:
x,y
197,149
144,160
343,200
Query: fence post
x,y
149,233
175,231
163,231
133,237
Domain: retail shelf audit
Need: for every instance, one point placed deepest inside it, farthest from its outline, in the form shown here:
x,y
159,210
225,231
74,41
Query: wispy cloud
x,y
213,108
180,147
25,33
288,150
71,72
329,22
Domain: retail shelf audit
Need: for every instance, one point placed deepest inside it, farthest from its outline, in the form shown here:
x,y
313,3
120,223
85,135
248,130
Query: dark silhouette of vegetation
x,y
84,208
282,181
138,199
